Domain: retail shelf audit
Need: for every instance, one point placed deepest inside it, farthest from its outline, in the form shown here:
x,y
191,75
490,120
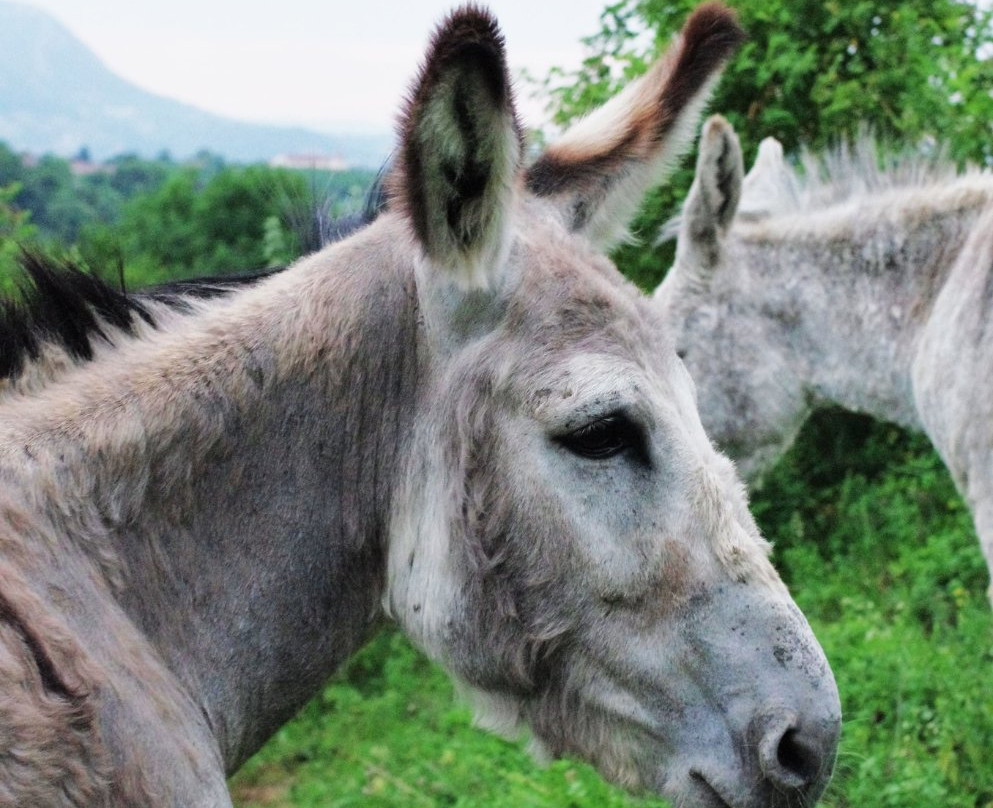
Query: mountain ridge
x,y
57,96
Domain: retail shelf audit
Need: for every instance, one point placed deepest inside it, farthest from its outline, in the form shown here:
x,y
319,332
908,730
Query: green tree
x,y
11,167
131,175
194,224
16,231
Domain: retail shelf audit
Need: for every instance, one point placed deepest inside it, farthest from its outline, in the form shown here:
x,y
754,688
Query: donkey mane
x,y
857,171
64,306
848,171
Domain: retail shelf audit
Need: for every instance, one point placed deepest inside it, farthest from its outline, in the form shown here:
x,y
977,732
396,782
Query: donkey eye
x,y
604,438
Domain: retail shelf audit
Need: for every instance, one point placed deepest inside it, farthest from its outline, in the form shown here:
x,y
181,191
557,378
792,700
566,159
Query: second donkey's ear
x,y
713,200
460,152
598,171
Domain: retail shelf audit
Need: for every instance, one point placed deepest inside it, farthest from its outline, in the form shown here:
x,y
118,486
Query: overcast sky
x,y
327,65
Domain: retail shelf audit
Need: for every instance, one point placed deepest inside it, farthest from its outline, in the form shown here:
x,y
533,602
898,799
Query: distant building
x,y
78,166
86,168
309,162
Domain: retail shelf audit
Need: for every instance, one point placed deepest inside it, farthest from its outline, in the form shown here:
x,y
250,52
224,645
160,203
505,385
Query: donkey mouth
x,y
711,797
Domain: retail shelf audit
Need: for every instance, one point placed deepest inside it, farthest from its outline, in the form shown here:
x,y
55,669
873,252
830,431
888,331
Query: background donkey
x,y
868,288
461,414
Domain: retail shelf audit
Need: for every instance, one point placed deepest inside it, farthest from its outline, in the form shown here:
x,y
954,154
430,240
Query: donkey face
x,y
724,318
566,541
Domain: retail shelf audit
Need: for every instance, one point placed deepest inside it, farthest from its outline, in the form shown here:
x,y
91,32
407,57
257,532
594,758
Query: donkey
x,y
869,288
461,417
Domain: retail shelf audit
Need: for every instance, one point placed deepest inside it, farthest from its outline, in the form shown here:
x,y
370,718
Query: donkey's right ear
x,y
460,151
596,174
713,200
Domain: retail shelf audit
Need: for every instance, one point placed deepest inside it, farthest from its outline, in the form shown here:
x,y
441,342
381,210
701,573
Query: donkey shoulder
x,y
86,706
50,748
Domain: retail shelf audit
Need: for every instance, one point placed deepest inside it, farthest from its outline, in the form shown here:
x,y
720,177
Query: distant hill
x,y
57,96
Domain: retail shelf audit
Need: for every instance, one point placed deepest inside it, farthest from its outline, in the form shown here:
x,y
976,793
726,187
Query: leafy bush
x,y
881,555
16,231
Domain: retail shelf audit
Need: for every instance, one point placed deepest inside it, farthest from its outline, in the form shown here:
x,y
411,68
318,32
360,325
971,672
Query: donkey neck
x,y
232,479
847,289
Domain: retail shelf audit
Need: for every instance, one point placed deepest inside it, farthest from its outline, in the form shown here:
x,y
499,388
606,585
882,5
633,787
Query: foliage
x,y
163,221
220,220
15,230
811,73
190,227
63,204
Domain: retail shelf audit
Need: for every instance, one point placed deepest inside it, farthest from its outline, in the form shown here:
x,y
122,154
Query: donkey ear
x,y
769,185
597,173
713,200
460,149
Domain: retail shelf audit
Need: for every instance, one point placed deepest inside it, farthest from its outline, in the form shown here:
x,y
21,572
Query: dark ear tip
x,y
718,132
469,35
468,29
715,27
470,17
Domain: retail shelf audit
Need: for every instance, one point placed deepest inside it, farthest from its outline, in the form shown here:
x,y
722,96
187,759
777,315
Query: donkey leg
x,y
983,517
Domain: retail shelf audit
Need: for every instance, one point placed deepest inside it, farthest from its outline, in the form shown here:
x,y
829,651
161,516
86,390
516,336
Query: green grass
x,y
389,732
879,553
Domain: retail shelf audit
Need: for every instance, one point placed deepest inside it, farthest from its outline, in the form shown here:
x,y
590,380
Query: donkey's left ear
x,y
598,171
713,199
460,151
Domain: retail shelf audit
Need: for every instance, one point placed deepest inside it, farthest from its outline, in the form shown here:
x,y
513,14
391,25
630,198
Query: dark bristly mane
x,y
176,293
62,305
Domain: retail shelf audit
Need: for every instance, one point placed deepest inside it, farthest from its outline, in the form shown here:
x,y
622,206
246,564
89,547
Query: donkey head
x,y
565,540
723,319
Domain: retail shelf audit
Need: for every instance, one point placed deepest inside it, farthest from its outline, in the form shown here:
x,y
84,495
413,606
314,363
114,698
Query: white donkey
x,y
869,288
462,415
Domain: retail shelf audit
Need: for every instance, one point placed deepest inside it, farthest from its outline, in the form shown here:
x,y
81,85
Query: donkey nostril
x,y
790,759
796,758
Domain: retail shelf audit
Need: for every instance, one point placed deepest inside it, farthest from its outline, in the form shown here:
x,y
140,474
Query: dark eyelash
x,y
605,438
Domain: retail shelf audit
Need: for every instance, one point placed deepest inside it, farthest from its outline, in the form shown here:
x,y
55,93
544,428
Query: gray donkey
x,y
869,288
461,416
